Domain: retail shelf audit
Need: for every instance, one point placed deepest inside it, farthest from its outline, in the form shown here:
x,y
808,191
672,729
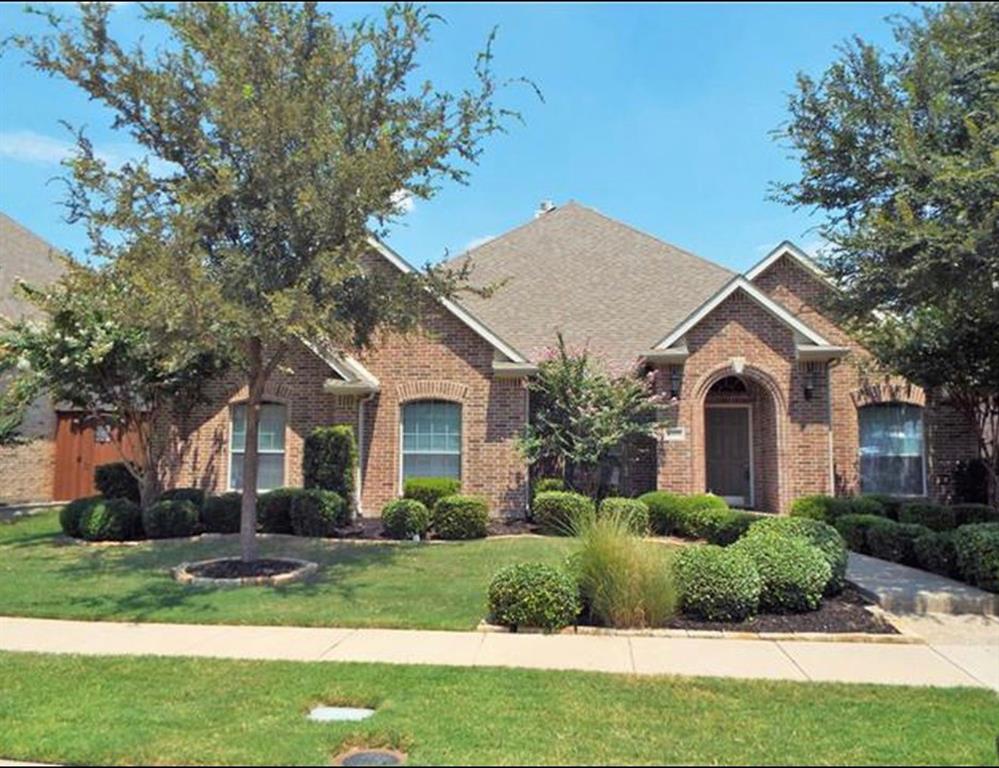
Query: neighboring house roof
x,y
597,281
23,256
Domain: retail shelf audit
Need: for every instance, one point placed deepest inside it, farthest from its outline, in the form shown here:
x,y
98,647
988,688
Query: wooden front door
x,y
81,447
727,450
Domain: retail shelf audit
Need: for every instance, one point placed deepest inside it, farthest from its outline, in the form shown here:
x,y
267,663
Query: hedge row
x,y
435,505
938,517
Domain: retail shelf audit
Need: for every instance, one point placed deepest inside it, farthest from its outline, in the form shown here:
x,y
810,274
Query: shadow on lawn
x,y
158,592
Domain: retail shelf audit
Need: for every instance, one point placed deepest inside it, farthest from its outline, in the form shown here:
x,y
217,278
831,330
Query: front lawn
x,y
429,586
105,710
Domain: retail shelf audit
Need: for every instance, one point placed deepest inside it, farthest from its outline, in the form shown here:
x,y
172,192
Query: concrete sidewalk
x,y
901,589
889,664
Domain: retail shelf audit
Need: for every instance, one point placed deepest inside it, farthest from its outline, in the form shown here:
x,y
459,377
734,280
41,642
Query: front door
x,y
80,448
727,436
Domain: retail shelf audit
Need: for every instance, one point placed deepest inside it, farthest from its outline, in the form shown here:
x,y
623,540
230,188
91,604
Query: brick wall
x,y
27,469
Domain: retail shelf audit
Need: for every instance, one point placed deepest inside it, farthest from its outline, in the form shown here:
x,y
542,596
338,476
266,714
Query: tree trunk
x,y
248,512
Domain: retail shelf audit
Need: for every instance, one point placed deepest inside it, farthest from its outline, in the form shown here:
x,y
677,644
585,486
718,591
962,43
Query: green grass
x,y
104,710
439,586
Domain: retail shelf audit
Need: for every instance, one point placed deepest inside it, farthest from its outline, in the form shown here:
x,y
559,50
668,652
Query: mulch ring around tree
x,y
232,571
844,613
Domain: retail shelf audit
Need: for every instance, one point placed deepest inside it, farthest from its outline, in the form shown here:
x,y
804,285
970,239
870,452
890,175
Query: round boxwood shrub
x,y
716,583
820,535
460,517
114,481
894,541
221,514
693,516
194,495
533,595
111,520
317,512
967,514
821,507
543,484
429,490
977,549
71,514
731,526
274,510
854,528
793,572
869,504
935,552
405,518
933,516
169,518
555,511
634,511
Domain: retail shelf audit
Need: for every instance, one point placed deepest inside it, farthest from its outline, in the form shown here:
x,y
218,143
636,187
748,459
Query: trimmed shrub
x,y
329,460
717,584
114,481
935,552
793,573
194,495
533,595
317,512
854,528
221,514
71,514
977,549
694,516
732,525
111,520
405,518
873,504
820,535
429,490
460,517
968,514
274,510
555,511
821,507
543,484
636,512
624,581
894,541
169,518
933,516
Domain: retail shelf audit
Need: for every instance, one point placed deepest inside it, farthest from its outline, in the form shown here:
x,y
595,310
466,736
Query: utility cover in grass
x,y
372,757
339,714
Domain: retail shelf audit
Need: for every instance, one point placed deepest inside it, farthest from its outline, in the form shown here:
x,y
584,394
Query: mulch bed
x,y
237,569
844,613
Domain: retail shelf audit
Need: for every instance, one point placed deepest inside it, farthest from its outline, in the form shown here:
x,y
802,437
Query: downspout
x,y
358,471
829,410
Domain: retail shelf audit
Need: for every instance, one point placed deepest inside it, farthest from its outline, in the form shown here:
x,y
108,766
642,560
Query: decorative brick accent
x,y
453,391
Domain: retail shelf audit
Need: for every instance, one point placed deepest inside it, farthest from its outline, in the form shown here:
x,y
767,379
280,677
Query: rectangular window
x,y
270,445
431,439
891,450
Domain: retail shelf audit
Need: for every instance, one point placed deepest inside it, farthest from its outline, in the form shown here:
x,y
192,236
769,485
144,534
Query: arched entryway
x,y
741,438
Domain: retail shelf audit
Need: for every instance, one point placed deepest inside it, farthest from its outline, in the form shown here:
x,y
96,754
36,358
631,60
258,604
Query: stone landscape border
x,y
305,569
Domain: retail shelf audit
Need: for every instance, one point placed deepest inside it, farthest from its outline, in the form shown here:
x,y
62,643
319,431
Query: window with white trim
x,y
270,446
891,449
431,439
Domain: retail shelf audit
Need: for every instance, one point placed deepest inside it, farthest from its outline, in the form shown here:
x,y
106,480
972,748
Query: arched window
x,y
270,446
891,450
431,439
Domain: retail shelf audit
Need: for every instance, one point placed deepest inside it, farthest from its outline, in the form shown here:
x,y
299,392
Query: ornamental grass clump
x,y
623,580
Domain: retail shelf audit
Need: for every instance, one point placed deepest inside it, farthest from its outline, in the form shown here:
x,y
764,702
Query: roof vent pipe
x,y
545,206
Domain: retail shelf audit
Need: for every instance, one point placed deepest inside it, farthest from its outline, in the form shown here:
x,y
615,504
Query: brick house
x,y
764,395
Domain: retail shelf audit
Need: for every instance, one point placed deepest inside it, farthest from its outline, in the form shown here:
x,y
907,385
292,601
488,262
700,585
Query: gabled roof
x,y
787,248
599,282
24,256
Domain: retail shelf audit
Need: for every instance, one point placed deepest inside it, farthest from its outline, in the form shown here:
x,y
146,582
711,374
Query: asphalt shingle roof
x,y
598,281
23,256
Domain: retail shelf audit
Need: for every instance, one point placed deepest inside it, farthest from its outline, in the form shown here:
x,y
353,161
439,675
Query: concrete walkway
x,y
884,663
900,589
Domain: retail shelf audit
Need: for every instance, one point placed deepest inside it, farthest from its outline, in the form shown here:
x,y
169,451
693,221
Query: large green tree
x,y
900,151
293,139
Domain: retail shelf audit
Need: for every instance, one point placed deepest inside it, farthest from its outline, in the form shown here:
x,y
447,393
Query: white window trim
x,y
402,436
260,451
922,432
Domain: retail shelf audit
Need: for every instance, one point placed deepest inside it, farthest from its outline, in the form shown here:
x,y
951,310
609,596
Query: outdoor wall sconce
x,y
675,382
811,377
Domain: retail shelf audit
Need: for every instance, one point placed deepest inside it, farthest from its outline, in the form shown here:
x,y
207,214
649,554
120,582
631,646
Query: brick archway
x,y
770,471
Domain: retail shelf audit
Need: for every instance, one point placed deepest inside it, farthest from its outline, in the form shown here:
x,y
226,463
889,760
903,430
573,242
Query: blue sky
x,y
658,115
